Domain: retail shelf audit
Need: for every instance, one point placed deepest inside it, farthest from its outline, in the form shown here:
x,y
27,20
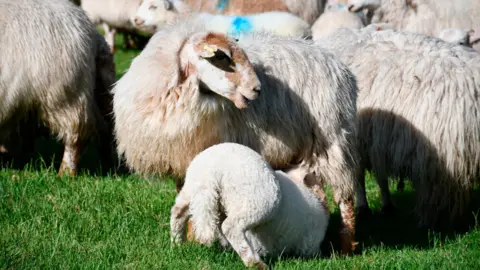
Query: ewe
x,y
427,17
54,64
418,115
174,102
231,193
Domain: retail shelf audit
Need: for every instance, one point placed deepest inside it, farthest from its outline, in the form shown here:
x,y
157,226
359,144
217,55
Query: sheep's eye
x,y
221,61
219,55
152,8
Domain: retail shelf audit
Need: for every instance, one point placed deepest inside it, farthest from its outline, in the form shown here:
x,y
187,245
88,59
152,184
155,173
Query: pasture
x,y
103,221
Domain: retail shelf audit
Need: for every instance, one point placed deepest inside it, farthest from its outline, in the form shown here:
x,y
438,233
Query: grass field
x,y
101,221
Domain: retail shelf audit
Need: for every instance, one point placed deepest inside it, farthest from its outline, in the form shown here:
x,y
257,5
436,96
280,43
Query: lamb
x,y
459,36
336,16
59,80
308,10
115,16
427,17
305,120
279,23
418,116
245,203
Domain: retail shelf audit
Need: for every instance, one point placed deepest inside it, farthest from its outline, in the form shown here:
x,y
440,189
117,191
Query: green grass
x,y
100,221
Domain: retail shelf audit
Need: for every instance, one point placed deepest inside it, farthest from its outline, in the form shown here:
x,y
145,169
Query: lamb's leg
x,y
109,37
234,230
178,219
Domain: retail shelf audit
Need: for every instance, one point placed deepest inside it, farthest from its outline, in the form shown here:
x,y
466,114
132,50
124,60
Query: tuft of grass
x,y
122,222
112,222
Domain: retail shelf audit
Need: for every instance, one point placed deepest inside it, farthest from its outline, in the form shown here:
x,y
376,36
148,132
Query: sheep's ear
x,y
208,50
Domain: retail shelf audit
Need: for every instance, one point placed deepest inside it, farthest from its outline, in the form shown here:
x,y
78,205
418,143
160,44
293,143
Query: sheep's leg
x,y
70,158
234,230
178,219
341,170
362,208
109,36
382,182
401,185
347,230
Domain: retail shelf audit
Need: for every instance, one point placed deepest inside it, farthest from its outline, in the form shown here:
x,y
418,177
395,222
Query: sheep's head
x,y
155,14
220,67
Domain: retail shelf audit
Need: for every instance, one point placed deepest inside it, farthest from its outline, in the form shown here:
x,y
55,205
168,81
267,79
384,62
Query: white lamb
x,y
158,13
233,194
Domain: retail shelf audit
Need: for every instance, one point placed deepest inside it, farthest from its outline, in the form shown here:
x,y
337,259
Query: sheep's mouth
x,y
240,101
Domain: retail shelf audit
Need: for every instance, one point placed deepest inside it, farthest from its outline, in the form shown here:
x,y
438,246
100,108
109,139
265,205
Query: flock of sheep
x,y
255,105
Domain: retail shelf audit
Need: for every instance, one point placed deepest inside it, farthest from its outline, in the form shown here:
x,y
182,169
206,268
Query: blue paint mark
x,y
240,25
221,5
340,6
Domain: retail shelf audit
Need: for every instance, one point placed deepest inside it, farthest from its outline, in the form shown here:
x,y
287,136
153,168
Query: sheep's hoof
x,y
65,170
257,265
363,212
388,210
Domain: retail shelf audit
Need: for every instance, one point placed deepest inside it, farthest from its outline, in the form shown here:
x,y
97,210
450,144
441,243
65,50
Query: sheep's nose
x,y
139,21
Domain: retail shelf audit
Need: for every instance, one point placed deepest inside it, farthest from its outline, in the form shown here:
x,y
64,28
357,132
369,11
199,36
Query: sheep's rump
x,y
418,112
45,61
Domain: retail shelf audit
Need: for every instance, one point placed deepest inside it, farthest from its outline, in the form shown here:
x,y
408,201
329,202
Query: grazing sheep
x,y
60,80
459,36
427,17
308,10
335,17
246,204
279,23
179,107
418,115
115,16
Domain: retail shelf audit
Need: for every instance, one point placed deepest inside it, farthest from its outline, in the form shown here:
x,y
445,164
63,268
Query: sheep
x,y
418,116
336,16
308,10
60,80
245,203
427,17
459,36
280,23
115,16
179,107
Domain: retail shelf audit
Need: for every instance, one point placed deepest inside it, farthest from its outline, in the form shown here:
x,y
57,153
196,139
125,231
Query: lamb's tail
x,y
205,210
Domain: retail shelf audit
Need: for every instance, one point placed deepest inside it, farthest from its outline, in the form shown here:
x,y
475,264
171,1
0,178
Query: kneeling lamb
x,y
232,193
